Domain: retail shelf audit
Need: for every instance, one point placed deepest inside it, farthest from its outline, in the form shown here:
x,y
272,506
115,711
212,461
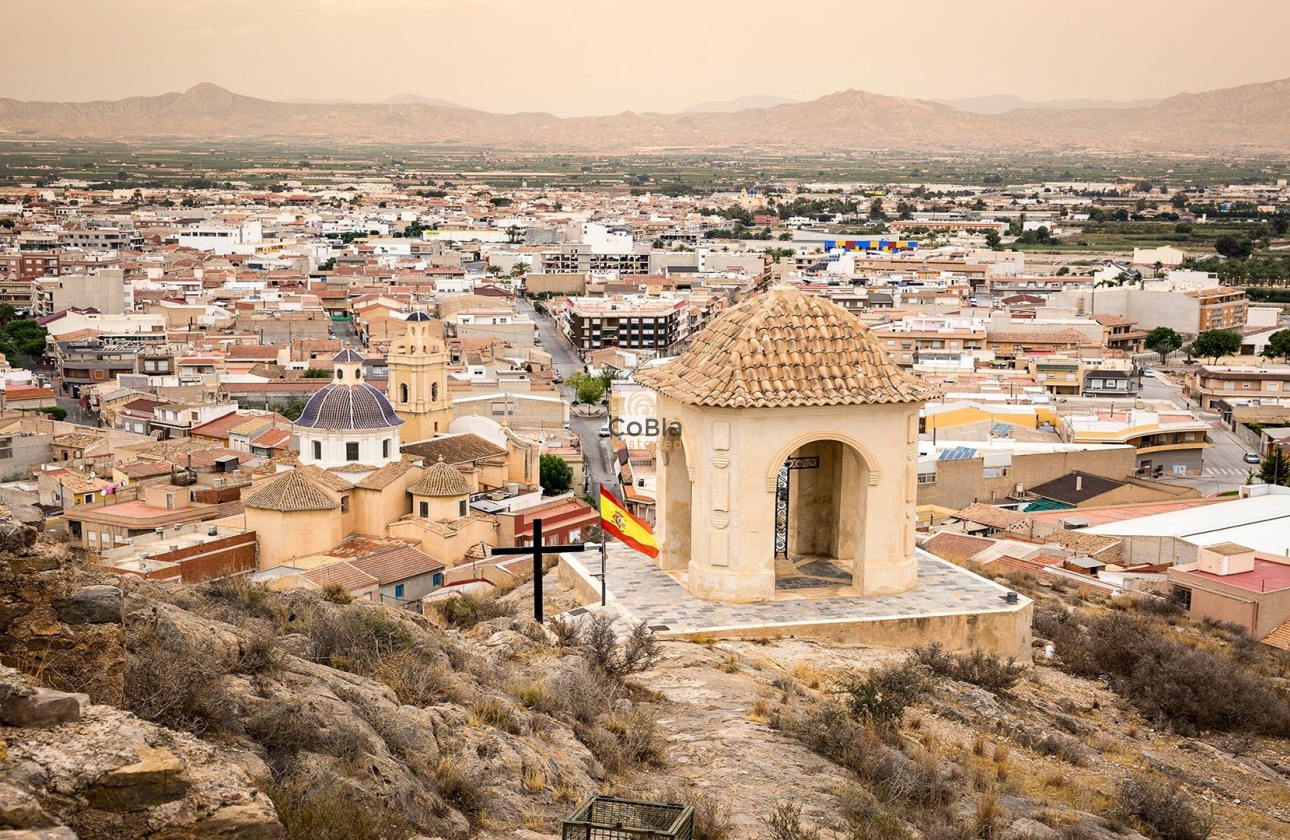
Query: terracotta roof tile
x,y
290,491
383,477
784,348
439,479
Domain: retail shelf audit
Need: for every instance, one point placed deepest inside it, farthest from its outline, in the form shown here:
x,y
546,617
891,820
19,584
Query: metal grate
x,y
606,818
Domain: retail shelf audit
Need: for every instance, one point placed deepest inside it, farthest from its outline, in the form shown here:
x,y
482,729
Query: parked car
x,y
1148,373
604,430
1252,458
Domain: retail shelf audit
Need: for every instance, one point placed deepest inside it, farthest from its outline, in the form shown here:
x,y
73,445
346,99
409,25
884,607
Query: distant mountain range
x,y
397,99
729,106
1000,103
1250,118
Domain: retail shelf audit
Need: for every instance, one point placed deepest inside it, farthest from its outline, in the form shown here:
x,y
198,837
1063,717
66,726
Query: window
x,y
462,507
927,478
425,510
398,590
351,450
344,504
437,579
434,391
340,373
385,448
318,450
403,392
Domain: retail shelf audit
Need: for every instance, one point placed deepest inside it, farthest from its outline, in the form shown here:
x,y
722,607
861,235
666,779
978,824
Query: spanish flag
x,y
616,521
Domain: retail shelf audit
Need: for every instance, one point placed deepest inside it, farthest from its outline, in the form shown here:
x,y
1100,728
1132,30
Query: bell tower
x,y
418,379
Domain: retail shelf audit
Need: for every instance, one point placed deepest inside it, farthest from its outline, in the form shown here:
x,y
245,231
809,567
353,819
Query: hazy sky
x,y
604,56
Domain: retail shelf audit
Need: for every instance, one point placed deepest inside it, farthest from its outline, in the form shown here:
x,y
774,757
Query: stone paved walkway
x,y
647,593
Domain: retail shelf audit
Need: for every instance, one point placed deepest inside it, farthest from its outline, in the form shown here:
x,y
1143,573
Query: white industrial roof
x,y
1261,523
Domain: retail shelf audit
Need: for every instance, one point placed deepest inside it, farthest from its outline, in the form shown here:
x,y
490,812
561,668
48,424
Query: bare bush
x,y
465,611
417,678
784,822
336,594
600,646
1192,690
1164,810
359,639
988,671
177,684
458,788
312,813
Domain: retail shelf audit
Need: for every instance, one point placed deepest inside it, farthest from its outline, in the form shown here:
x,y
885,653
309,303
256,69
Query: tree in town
x,y
590,391
1278,346
608,374
555,474
55,412
1163,340
992,240
1275,468
875,210
1214,344
1179,201
7,313
22,338
1233,247
317,373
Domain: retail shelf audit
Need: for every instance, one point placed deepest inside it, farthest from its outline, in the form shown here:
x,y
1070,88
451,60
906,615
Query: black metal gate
x,y
782,483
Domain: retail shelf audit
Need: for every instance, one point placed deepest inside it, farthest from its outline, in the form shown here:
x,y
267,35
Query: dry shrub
x,y
464,611
334,593
457,788
860,748
490,711
712,820
638,736
784,822
536,695
1192,690
239,593
1060,747
988,817
601,648
359,639
1164,810
259,654
881,696
180,685
585,694
988,671
866,819
417,678
567,632
308,814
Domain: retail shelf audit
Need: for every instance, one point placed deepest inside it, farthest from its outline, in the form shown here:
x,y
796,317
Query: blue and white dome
x,y
354,405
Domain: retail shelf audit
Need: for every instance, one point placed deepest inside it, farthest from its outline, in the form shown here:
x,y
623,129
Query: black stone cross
x,y
538,550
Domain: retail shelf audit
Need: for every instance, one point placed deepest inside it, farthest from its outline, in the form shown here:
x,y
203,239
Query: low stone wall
x,y
1005,632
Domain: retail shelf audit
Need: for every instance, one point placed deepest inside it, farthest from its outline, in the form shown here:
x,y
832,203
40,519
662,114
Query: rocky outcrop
x,y
57,618
73,769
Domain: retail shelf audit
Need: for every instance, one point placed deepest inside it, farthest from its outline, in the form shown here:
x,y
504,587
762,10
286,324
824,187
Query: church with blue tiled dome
x,y
348,421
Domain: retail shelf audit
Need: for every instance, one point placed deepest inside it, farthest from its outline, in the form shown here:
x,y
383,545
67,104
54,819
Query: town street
x,y
598,464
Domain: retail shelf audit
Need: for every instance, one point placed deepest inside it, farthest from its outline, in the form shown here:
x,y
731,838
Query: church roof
x,y
784,348
290,491
355,406
455,449
347,356
419,316
439,479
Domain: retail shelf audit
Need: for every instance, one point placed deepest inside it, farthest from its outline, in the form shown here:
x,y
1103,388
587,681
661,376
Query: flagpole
x,y
604,548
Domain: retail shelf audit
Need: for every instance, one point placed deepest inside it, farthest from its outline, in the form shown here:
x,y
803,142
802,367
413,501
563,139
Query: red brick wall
x,y
226,556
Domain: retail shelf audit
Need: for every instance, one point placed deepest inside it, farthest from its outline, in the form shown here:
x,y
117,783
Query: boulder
x,y
91,605
40,707
157,777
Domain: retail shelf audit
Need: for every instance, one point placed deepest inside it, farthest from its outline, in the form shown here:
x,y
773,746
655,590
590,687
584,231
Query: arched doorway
x,y
677,500
819,517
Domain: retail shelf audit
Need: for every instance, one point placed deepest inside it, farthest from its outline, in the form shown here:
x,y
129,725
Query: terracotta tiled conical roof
x,y
784,348
289,492
440,479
